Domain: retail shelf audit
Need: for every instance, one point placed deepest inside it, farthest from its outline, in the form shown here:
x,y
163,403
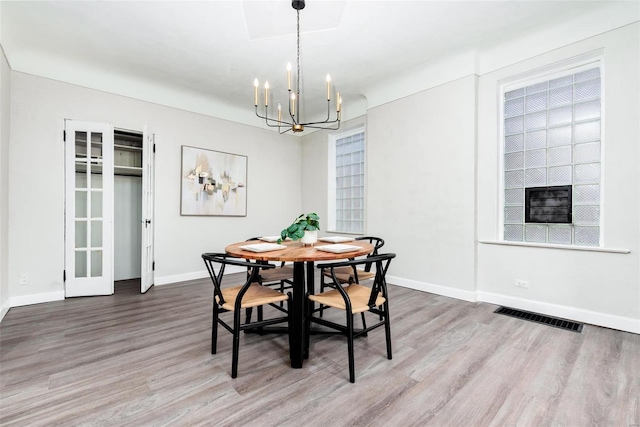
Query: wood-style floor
x,y
144,360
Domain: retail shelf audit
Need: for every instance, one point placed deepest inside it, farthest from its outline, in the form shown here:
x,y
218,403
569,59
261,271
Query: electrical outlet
x,y
522,284
24,279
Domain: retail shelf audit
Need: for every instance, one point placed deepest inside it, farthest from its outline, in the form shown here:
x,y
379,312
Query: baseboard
x,y
434,289
5,308
626,324
196,275
37,298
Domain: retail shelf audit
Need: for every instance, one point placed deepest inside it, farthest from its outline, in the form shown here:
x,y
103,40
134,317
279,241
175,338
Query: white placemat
x,y
270,238
336,239
338,249
262,247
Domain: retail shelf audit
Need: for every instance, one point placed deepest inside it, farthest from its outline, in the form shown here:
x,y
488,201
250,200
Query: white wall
x,y
420,160
37,181
420,188
5,107
594,287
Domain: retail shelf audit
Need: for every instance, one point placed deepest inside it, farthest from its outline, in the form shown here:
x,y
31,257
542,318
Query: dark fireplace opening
x,y
548,204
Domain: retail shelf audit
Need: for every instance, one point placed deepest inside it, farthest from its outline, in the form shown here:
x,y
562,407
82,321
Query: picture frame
x,y
213,183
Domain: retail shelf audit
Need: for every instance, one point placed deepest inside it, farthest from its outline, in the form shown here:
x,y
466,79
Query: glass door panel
x,y
96,145
81,234
81,175
96,204
81,144
96,263
81,264
96,176
96,234
81,204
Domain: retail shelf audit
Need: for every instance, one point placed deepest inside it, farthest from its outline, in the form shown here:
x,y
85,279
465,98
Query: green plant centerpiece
x,y
305,222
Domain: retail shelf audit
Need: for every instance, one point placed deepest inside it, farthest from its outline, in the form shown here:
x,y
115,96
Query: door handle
x,y
146,222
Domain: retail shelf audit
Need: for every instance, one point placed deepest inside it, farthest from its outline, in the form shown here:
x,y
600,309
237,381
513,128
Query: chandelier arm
x,y
321,123
328,119
328,109
269,119
324,127
293,118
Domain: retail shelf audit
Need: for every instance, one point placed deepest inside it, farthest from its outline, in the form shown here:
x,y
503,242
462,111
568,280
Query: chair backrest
x,y
377,243
212,259
381,262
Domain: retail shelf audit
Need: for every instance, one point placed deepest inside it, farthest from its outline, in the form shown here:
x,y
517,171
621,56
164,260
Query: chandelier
x,y
293,122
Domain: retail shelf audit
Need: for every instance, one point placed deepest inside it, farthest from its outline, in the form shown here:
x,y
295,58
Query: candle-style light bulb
x,y
266,93
289,75
293,104
328,87
255,92
279,113
338,102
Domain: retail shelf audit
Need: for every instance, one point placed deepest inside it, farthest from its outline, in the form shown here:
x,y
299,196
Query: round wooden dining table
x,y
300,256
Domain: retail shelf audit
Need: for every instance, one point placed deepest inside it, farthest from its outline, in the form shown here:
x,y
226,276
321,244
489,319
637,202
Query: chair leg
x,y
260,318
249,312
236,344
321,308
214,329
364,324
387,329
281,291
352,369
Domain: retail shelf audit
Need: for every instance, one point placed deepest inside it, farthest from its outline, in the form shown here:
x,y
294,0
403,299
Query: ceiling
x,y
215,49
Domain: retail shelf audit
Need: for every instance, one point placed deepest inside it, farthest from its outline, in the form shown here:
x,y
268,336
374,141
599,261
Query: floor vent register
x,y
541,318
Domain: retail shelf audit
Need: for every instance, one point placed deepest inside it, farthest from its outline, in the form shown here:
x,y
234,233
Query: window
x,y
552,140
346,182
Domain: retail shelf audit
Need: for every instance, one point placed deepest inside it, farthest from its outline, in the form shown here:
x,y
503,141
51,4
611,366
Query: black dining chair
x,y
345,274
281,277
234,299
355,298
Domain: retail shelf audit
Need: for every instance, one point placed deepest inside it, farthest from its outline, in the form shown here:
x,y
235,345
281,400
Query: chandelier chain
x,y
298,57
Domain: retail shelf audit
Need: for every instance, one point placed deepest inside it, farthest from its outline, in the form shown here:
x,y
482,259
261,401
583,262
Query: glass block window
x,y
552,137
349,183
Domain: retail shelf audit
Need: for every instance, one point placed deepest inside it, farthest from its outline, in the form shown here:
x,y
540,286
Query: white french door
x,y
147,221
88,208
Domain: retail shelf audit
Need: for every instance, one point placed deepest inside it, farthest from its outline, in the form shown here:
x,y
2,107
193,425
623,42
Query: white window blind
x,y
552,137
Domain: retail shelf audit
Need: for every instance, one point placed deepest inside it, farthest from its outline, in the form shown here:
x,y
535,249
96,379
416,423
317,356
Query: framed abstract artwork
x,y
213,183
